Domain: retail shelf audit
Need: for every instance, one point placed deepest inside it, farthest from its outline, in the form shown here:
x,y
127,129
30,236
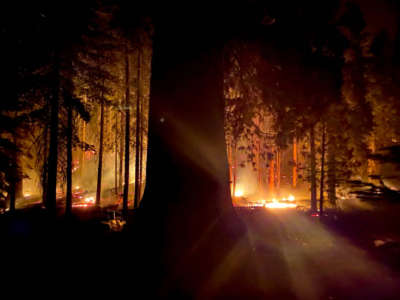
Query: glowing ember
x,y
239,193
80,205
27,195
291,198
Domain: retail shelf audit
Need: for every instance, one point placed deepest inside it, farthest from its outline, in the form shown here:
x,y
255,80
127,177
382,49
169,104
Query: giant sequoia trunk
x,y
187,186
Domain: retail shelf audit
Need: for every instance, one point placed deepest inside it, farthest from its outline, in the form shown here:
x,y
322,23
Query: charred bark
x,y
68,202
101,146
313,172
187,171
127,134
322,179
138,140
331,172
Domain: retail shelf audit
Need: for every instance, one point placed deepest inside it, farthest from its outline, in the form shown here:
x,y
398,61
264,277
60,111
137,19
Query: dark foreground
x,y
283,255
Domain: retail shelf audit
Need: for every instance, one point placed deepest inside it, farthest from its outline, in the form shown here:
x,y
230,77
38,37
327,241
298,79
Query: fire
x,y
239,193
282,204
89,199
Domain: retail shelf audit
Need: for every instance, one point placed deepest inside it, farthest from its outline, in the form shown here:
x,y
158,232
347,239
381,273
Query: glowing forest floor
x,y
283,255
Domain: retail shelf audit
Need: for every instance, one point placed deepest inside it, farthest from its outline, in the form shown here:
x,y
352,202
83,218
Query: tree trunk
x,y
116,155
53,150
138,141
278,171
332,172
259,168
142,118
294,179
68,201
234,169
271,181
121,152
187,208
101,142
313,175
15,191
187,172
44,177
127,134
321,189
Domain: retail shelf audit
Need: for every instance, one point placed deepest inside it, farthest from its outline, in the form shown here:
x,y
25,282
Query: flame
x,y
27,195
239,193
89,199
278,204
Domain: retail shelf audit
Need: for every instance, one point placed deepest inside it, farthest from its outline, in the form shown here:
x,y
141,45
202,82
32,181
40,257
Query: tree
x,y
138,132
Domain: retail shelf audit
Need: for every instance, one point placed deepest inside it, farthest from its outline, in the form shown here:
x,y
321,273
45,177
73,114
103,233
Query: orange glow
x,y
280,205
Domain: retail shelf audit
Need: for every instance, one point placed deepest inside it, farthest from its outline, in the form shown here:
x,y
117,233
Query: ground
x,y
283,255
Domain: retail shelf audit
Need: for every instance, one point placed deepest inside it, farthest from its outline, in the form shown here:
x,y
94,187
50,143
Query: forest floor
x,y
288,255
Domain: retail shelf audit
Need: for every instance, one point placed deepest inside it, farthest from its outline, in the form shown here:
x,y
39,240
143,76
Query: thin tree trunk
x,y
53,150
45,167
127,134
68,208
13,183
138,141
15,192
121,153
259,170
100,165
331,172
321,190
116,155
234,169
294,182
313,176
278,171
230,165
271,182
82,156
141,179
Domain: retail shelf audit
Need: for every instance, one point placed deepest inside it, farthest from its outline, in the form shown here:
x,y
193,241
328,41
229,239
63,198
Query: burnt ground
x,y
283,255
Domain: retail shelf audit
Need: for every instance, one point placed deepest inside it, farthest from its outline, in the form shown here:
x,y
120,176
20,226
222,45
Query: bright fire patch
x,y
239,193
